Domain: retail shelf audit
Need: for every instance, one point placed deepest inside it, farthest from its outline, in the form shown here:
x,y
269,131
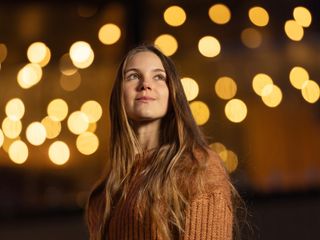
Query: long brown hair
x,y
180,137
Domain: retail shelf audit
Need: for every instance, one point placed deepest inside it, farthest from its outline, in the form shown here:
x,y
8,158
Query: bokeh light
x,y
92,109
109,33
200,112
251,38
190,87
310,91
81,54
302,16
78,122
36,133
219,13
258,16
167,43
225,87
39,53
15,108
1,138
11,127
174,16
52,126
59,152
58,109
293,30
3,52
209,46
259,81
87,143
274,96
66,66
236,110
298,75
70,82
29,75
18,152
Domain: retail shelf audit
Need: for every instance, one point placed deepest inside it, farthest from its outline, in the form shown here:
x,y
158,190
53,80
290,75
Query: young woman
x,y
162,181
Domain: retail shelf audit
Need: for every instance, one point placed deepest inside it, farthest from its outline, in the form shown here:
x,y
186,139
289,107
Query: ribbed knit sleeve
x,y
209,217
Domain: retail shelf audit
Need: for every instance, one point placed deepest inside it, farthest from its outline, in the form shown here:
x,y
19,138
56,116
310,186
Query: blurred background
x,y
250,70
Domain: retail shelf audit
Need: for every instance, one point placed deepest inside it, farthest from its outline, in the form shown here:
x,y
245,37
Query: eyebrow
x,y
137,70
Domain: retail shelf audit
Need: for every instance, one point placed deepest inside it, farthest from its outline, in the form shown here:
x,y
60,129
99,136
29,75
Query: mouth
x,y
145,98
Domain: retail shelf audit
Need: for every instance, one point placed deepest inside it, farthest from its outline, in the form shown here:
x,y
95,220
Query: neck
x,y
148,134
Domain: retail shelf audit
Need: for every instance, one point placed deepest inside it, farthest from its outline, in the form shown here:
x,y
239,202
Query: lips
x,y
145,98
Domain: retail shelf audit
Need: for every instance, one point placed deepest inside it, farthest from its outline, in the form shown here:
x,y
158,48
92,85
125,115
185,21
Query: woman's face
x,y
145,89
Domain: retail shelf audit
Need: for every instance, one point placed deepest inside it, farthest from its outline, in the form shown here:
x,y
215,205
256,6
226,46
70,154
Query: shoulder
x,y
213,175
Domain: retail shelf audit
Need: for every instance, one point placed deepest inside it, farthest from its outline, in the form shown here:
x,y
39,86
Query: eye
x,y
160,77
132,76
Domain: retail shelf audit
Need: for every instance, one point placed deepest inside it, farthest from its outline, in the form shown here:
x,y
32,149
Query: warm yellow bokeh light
x,y
15,108
267,89
236,110
3,52
297,76
11,127
36,133
230,160
57,109
217,147
310,91
87,143
293,30
259,16
200,112
78,122
81,54
92,127
70,82
190,87
174,16
260,81
59,153
251,38
52,126
274,98
18,152
7,142
219,13
225,87
303,16
109,34
66,66
39,53
29,75
209,46
167,43
92,109
1,138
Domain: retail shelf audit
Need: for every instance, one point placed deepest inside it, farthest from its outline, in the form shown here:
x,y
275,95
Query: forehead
x,y
144,59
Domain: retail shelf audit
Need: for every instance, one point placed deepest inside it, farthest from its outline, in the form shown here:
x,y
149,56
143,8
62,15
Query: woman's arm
x,y
209,217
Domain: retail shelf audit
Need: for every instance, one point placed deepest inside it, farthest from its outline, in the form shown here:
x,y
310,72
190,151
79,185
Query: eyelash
x,y
135,75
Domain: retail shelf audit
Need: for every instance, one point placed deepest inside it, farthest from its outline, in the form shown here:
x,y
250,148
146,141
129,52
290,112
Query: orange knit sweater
x,y
208,217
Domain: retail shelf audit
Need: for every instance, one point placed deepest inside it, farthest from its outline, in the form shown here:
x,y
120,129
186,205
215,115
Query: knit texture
x,y
208,217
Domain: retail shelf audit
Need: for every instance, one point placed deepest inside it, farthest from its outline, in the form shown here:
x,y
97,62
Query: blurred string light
x,y
167,43
52,126
87,143
92,127
293,30
219,13
57,109
8,141
200,112
236,110
59,152
11,127
29,75
229,158
18,152
258,16
251,38
92,109
302,16
70,82
39,53
174,16
81,54
209,46
225,87
1,138
3,52
15,108
310,91
298,76
36,133
190,87
109,33
270,94
66,66
78,122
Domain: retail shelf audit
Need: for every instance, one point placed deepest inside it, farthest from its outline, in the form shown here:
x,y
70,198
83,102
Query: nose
x,y
145,84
